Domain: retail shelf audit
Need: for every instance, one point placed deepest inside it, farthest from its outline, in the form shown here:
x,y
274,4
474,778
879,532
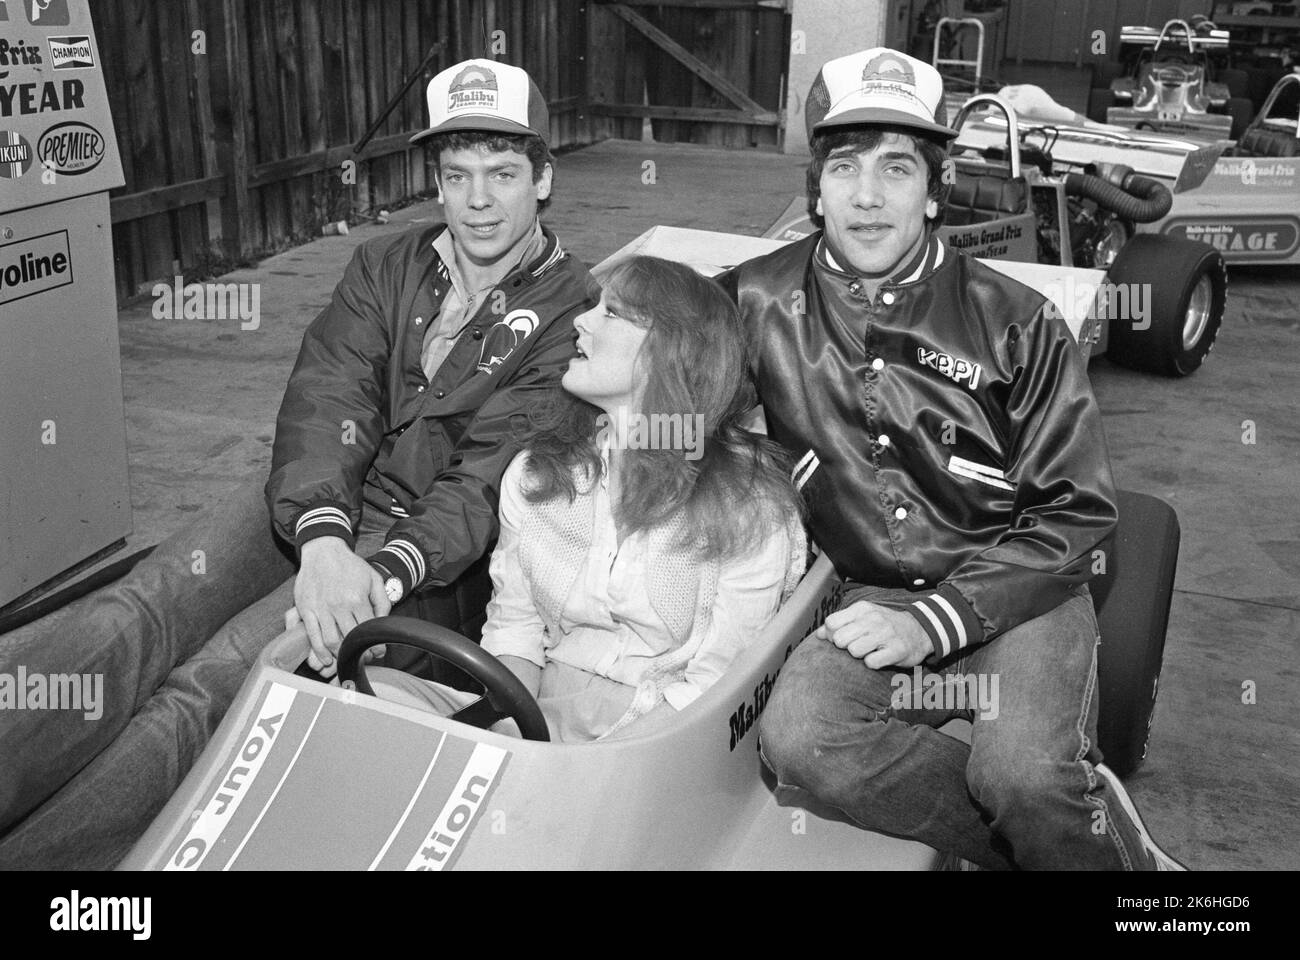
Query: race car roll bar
x,y
1187,33
1013,125
1271,99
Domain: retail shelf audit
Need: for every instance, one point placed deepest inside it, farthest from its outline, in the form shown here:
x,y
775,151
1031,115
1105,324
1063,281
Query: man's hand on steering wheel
x,y
335,590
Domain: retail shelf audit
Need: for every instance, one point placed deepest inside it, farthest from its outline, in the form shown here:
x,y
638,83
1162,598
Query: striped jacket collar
x,y
921,265
551,253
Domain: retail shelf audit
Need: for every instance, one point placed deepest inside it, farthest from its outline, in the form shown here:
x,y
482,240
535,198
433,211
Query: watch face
x,y
393,587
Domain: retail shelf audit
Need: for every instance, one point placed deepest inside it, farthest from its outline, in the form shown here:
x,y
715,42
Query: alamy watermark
x,y
956,691
53,691
1102,301
209,301
654,431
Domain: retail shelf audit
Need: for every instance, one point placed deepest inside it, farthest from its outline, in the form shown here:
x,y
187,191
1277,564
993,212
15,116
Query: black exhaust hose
x,y
1141,199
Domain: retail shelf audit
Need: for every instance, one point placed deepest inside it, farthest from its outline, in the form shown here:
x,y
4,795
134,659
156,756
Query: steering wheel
x,y
506,696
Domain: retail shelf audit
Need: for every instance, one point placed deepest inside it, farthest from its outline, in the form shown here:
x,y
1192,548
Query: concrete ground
x,y
1221,785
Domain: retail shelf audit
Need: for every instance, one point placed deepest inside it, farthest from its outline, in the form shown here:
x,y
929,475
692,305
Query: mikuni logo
x,y
53,691
209,301
75,913
956,691
1102,301
655,431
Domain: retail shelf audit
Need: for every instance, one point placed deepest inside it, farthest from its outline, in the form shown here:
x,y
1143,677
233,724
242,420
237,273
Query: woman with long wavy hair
x,y
646,536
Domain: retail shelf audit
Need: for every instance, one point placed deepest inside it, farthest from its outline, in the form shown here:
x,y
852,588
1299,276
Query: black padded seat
x,y
1263,142
979,198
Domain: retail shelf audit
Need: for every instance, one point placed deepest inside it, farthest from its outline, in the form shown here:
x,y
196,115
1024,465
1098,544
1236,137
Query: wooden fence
x,y
236,118
703,71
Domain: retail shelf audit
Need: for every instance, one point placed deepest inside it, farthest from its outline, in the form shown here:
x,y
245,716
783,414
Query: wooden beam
x,y
231,101
763,118
686,58
146,203
317,161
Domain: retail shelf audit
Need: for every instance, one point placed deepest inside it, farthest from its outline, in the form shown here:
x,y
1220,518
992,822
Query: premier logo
x,y
71,148
34,266
70,53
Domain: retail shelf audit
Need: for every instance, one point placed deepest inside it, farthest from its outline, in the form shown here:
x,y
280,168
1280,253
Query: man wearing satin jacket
x,y
952,458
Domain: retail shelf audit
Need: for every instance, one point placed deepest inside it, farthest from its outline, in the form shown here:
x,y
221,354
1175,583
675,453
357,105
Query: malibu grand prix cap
x,y
878,86
486,95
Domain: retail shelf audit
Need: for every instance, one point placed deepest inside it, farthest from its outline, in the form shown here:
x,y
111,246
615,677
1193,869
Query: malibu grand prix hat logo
x,y
879,87
485,95
474,87
891,71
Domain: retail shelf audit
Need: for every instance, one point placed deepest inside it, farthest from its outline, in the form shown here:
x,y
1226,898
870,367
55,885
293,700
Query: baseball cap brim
x,y
474,122
882,117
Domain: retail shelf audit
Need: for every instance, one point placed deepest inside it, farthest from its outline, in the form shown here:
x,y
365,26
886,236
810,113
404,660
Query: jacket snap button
x,y
878,364
478,334
900,513
440,394
887,298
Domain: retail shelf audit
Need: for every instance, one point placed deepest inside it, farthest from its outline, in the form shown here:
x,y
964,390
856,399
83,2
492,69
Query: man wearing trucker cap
x,y
410,396
951,454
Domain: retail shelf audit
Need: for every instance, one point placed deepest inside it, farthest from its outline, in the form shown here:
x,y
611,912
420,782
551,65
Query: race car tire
x,y
1100,100
506,696
1236,81
1132,592
1184,286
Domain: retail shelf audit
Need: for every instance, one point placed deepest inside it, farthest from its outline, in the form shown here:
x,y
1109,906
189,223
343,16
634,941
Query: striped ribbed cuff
x,y
948,621
328,519
405,561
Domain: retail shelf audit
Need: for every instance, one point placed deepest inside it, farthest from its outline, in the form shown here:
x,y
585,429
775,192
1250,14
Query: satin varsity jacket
x,y
946,437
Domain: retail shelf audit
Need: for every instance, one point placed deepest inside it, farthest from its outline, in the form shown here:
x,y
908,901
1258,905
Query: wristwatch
x,y
392,585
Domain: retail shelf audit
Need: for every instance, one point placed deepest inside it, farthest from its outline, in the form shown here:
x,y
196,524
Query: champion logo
x,y
504,337
954,367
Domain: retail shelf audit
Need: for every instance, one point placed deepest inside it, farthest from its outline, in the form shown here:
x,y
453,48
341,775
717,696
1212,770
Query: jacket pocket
x,y
978,471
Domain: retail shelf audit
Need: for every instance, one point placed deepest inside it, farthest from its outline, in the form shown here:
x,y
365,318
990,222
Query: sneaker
x,y
1163,860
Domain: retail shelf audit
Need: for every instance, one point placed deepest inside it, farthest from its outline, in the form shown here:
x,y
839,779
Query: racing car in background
x,y
1248,206
1174,82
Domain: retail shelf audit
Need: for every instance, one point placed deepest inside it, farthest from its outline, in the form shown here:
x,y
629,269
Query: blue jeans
x,y
174,640
1024,793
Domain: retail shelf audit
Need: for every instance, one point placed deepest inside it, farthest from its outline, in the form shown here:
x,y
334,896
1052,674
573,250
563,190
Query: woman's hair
x,y
732,485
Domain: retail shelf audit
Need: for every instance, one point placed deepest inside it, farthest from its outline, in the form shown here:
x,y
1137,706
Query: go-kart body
x,y
303,775
1170,90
